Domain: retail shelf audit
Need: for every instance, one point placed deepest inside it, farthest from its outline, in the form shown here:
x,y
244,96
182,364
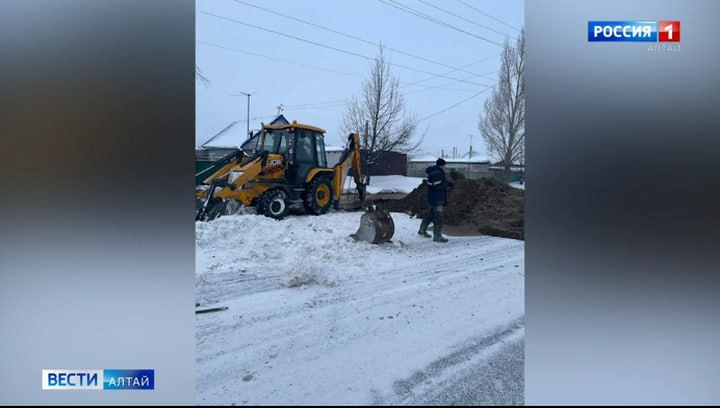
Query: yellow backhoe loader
x,y
284,165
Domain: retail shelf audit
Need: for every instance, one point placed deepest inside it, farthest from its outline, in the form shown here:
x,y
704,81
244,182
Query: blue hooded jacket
x,y
437,186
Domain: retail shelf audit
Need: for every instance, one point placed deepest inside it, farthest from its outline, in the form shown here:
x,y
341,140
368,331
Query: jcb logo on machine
x,y
274,162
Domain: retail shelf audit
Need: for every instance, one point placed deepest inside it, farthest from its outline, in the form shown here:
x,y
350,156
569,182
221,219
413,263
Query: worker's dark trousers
x,y
434,215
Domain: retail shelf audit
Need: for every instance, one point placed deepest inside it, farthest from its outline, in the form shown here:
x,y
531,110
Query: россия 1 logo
x,y
634,31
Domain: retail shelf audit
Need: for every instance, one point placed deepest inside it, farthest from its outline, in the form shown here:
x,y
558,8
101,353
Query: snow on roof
x,y
232,136
235,134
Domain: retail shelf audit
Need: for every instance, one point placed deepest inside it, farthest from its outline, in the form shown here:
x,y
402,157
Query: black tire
x,y
273,203
318,197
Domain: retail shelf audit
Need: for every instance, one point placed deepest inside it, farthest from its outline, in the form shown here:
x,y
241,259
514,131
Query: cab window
x,y
320,150
276,141
305,147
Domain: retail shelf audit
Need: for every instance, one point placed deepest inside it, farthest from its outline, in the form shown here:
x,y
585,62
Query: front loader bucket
x,y
376,226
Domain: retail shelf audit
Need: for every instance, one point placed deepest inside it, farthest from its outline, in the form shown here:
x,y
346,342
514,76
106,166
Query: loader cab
x,y
303,147
307,153
271,140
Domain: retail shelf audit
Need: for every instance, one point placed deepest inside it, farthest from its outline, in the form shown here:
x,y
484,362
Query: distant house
x,y
474,168
333,154
233,136
221,144
517,172
389,164
228,140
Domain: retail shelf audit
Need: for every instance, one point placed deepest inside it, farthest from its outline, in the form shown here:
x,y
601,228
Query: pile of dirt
x,y
485,205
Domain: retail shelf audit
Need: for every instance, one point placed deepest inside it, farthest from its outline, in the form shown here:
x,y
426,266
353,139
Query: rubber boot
x,y
437,234
423,229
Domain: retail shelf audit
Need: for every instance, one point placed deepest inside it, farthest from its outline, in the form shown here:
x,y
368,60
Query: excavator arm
x,y
350,158
223,166
376,224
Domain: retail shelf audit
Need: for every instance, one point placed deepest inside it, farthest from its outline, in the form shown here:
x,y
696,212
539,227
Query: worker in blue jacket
x,y
437,184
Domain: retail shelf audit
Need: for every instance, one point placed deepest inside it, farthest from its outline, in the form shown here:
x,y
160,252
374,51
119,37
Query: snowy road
x,y
316,318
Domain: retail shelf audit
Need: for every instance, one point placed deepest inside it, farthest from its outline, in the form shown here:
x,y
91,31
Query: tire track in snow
x,y
273,335
428,384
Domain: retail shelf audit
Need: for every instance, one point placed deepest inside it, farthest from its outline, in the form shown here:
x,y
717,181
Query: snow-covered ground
x,y
316,318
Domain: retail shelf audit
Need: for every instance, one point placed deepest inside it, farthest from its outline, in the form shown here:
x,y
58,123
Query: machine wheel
x,y
318,196
273,203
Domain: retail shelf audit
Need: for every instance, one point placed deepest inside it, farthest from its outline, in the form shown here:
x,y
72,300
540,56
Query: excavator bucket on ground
x,y
376,226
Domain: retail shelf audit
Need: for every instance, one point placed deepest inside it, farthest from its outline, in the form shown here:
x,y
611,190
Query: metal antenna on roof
x,y
280,108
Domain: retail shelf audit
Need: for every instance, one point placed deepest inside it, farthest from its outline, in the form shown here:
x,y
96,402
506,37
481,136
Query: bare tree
x,y
503,124
380,115
200,77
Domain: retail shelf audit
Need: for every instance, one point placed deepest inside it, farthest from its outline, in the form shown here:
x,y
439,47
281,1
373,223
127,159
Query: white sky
x,y
314,96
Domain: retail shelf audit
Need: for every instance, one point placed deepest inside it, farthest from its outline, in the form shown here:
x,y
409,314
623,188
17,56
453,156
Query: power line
x,y
443,86
450,72
286,35
278,59
340,102
332,102
488,15
452,106
416,13
330,47
316,103
337,105
462,18
351,36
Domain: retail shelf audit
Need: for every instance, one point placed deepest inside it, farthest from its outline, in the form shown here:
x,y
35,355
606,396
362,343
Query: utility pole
x,y
470,152
470,156
368,166
248,109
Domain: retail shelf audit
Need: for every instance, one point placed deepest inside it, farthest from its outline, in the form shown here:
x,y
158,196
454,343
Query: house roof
x,y
234,134
432,159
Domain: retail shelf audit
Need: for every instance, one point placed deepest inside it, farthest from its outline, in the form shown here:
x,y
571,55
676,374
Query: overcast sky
x,y
311,80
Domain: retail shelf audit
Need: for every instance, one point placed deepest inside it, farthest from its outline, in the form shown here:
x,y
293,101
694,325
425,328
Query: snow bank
x,y
296,251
